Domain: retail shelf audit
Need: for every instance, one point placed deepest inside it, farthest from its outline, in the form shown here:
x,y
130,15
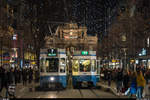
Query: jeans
x,y
139,92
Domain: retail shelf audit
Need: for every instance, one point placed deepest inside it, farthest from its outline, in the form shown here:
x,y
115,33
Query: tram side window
x,y
93,64
62,65
75,65
52,65
85,65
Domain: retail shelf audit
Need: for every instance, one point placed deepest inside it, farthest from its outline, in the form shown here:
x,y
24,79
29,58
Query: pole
x,y
1,51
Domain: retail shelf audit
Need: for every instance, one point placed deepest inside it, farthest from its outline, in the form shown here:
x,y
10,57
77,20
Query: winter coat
x,y
140,80
119,76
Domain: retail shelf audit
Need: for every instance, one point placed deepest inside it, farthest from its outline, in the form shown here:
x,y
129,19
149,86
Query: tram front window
x,y
75,65
85,65
52,64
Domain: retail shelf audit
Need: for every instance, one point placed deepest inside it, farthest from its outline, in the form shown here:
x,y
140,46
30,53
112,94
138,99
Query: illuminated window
x,y
85,65
75,65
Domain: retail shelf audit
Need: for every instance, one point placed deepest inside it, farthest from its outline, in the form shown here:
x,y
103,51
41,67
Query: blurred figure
x,y
36,75
19,75
125,81
4,80
30,75
16,75
11,81
119,78
24,76
140,84
109,76
133,84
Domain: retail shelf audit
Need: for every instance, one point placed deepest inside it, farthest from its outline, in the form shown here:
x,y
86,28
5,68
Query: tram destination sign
x,y
52,52
84,52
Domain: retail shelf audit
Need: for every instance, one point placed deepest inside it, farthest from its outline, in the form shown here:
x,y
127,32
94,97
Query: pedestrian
x,y
105,74
11,76
36,75
125,81
4,80
133,84
119,78
24,76
140,84
109,76
16,75
30,75
19,75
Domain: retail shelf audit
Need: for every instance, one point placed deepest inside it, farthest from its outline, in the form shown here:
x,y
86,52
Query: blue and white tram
x,y
84,69
53,68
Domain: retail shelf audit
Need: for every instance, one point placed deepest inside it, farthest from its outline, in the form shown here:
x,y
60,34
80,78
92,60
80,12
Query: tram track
x,y
94,92
80,92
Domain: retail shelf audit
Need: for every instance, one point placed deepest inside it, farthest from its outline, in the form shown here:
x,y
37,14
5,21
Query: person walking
x,y
141,82
11,75
4,81
30,75
109,77
133,84
125,81
24,76
119,79
15,74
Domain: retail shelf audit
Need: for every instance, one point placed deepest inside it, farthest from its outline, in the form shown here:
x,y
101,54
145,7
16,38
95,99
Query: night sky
x,y
97,15
94,14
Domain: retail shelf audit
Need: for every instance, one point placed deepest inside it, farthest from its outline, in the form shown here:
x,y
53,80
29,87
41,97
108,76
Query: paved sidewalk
x,y
113,89
20,89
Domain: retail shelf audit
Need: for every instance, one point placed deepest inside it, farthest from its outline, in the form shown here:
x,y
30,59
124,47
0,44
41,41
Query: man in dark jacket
x,y
119,79
30,75
109,76
4,80
24,76
125,81
16,75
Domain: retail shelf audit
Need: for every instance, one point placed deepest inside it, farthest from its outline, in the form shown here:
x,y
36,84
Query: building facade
x,y
72,37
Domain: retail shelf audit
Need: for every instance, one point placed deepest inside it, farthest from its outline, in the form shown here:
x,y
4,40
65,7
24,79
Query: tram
x,y
85,70
53,68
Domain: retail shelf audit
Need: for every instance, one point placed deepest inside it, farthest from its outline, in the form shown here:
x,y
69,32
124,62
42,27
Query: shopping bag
x,y
126,92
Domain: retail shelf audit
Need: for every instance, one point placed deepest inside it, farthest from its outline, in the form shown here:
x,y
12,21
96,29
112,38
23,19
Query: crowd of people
x,y
14,75
129,82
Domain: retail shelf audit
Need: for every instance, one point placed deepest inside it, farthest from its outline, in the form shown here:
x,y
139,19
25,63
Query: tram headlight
x,y
52,78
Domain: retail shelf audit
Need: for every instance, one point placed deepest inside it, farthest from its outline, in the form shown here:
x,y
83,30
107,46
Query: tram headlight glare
x,y
52,78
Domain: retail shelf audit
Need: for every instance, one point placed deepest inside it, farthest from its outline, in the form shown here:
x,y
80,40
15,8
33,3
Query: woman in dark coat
x,y
126,81
24,76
